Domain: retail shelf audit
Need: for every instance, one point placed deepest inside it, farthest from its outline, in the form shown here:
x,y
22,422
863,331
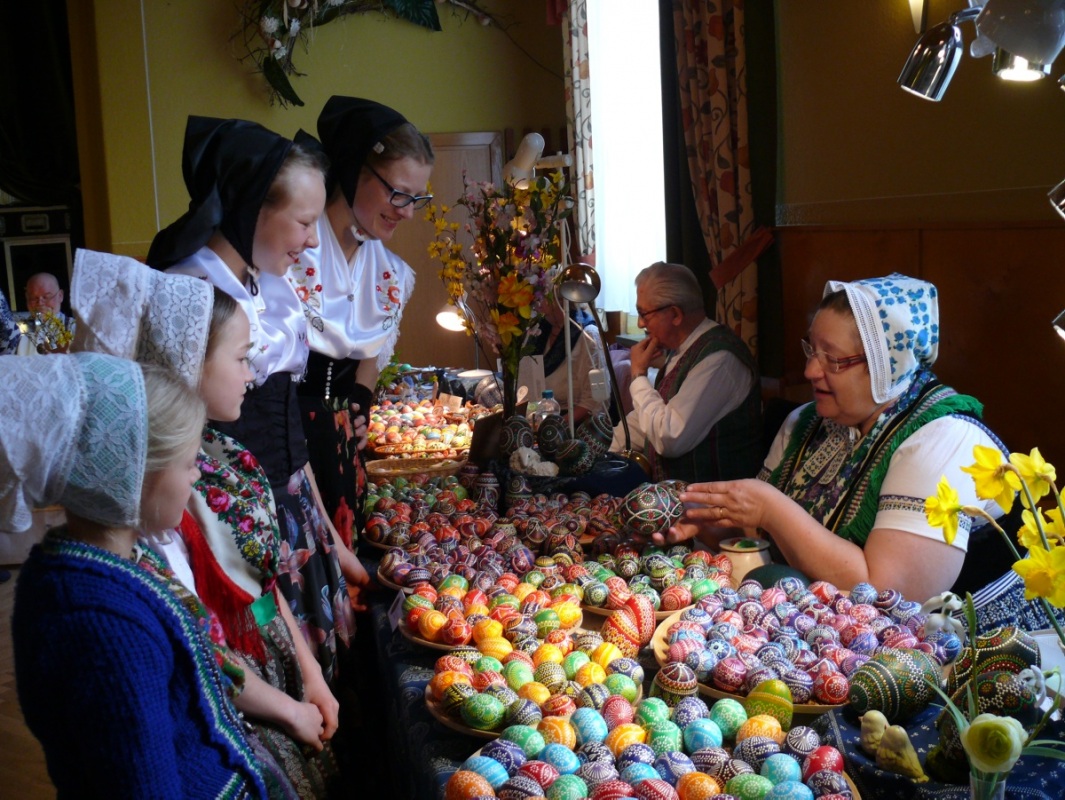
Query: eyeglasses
x,y
41,298
645,314
830,363
402,199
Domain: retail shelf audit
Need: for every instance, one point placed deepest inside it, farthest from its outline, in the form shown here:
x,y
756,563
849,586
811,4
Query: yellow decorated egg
x,y
761,725
558,730
589,673
569,614
431,623
623,735
495,646
605,653
487,628
620,630
547,653
772,697
535,691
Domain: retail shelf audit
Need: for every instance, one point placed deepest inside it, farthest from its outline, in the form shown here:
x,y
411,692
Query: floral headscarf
x,y
898,320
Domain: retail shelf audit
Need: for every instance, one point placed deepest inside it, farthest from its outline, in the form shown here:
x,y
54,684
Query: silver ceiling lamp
x,y
932,61
1012,67
580,283
1030,29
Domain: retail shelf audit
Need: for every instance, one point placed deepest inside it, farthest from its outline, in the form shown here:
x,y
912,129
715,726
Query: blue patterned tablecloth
x,y
1032,778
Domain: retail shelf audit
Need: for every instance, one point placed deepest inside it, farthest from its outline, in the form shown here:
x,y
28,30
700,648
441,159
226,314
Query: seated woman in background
x,y
843,489
116,675
587,352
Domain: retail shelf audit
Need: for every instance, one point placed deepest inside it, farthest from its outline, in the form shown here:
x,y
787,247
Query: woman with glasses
x,y
842,491
353,289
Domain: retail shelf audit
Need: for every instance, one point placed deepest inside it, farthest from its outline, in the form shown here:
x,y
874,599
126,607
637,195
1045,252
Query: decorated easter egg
x,y
616,711
664,736
674,682
623,735
558,730
672,764
649,509
772,697
529,740
651,710
791,790
588,725
561,758
523,712
828,782
701,733
520,787
893,682
611,790
623,685
761,725
627,666
729,716
755,750
466,784
729,674
551,435
749,787
801,741
597,432
517,432
780,767
655,789
620,630
567,787
483,712
637,753
689,709
994,692
574,457
824,758
506,752
697,786
1006,649
488,768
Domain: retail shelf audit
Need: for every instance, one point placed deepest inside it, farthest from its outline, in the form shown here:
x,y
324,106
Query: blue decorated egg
x,y
790,790
780,767
561,758
702,733
510,754
589,725
801,741
488,768
672,764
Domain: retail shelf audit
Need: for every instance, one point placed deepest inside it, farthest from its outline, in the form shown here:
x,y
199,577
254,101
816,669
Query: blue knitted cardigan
x,y
120,685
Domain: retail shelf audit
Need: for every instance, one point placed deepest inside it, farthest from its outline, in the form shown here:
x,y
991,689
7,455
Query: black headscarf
x,y
349,127
229,166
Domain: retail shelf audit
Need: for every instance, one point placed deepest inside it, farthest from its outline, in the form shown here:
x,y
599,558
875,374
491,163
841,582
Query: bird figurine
x,y
896,754
873,725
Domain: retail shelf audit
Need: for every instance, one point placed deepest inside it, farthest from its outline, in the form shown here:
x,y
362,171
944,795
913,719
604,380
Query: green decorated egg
x,y
772,697
483,712
530,740
729,716
894,682
749,786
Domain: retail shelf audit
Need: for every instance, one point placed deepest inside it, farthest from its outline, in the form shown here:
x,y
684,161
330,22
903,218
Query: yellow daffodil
x,y
991,475
516,293
1035,472
942,509
1028,535
1055,527
507,325
1044,574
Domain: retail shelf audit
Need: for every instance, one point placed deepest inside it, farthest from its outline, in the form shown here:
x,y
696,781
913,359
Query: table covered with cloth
x,y
1032,778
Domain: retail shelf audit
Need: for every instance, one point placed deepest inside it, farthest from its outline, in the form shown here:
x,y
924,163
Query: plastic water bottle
x,y
547,405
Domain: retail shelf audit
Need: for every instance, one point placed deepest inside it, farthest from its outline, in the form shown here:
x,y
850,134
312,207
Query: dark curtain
x,y
38,140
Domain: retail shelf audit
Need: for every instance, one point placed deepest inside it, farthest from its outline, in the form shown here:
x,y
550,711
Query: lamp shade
x,y
450,319
1012,67
1031,29
521,169
932,61
579,283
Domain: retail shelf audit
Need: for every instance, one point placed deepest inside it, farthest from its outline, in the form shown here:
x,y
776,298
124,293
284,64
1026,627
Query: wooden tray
x,y
381,579
661,650
455,724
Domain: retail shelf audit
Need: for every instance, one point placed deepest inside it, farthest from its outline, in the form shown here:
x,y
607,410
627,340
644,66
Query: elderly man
x,y
43,296
701,420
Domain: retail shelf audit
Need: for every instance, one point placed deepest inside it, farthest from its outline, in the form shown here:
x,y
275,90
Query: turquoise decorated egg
x,y
483,712
780,768
530,740
637,773
701,733
771,697
488,768
790,790
729,716
567,787
561,758
749,787
589,726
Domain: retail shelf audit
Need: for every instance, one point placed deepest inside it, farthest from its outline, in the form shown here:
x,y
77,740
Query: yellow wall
x,y
856,148
160,61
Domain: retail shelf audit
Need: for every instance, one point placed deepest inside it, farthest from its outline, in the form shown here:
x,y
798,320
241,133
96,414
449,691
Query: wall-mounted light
x,y
932,61
1012,67
1031,29
1059,324
919,12
522,168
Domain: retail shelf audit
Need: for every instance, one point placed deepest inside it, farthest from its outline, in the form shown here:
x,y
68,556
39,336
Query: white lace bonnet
x,y
127,309
75,433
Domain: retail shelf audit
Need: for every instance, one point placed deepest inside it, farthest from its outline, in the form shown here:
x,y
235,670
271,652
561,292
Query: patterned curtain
x,y
574,22
711,64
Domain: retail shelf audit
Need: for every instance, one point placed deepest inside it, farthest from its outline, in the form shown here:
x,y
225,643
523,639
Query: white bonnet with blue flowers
x,y
898,320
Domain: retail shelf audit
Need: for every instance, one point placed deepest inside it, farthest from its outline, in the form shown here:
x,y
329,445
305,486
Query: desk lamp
x,y
580,283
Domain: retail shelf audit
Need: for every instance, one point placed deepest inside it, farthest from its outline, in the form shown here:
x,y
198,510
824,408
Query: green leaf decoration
x,y
420,12
1044,752
278,80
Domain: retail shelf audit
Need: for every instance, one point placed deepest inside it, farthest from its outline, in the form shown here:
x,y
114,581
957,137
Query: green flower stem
x,y
1031,506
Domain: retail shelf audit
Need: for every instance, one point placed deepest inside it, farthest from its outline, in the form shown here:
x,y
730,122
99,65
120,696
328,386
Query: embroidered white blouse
x,y
353,308
278,327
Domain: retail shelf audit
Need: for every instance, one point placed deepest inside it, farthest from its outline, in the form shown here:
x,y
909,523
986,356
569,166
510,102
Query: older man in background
x,y
44,296
701,420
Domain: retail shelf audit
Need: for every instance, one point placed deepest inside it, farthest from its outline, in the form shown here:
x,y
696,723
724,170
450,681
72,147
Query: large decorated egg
x,y
574,457
596,432
551,435
674,682
649,509
620,630
1007,649
894,682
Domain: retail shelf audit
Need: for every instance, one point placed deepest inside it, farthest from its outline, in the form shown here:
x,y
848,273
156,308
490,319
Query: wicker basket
x,y
387,469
